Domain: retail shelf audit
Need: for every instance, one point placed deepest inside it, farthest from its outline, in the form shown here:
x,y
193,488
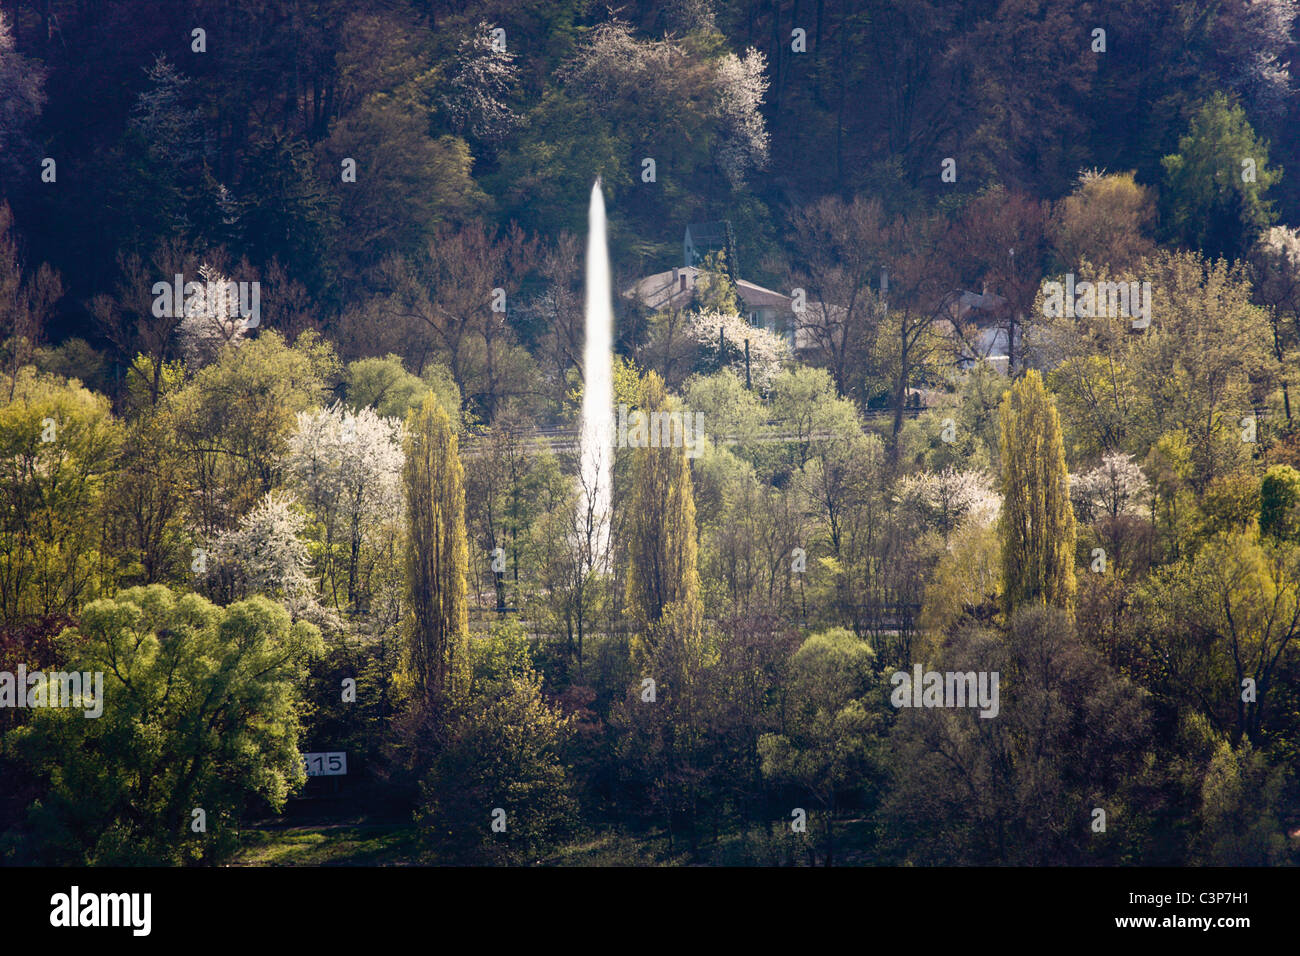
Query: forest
x,y
977,320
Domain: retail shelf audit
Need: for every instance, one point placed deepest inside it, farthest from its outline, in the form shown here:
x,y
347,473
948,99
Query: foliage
x,y
1037,522
437,556
181,679
1211,201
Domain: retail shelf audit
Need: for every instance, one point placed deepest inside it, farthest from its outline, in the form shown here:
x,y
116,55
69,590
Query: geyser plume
x,y
596,438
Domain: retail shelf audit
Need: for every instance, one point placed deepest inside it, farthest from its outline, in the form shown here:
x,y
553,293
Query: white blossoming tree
x,y
949,499
212,319
266,555
743,140
1113,488
346,467
721,337
478,89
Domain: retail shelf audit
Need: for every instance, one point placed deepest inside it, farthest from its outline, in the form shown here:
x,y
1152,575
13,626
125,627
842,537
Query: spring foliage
x,y
1037,526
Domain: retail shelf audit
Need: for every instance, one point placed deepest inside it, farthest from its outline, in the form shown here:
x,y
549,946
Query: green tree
x,y
1037,521
1205,361
386,386
714,290
825,744
1223,625
1019,789
1215,184
58,447
1279,494
438,555
199,712
289,214
395,203
663,580
503,753
234,418
1240,797
147,506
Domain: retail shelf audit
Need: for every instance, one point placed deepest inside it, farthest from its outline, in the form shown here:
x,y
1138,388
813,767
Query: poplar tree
x,y
663,582
1037,522
438,554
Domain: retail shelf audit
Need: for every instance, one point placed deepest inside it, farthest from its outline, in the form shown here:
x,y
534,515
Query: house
x,y
674,290
975,322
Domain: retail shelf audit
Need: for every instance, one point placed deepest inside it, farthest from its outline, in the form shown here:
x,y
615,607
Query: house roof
x,y
663,290
968,302
756,297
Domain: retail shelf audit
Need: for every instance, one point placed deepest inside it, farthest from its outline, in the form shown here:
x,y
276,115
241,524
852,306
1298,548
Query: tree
x,y
559,314
347,468
128,316
948,499
662,578
1252,42
438,556
1000,244
267,555
503,753
1115,487
838,262
234,419
1205,362
446,290
213,322
1028,109
965,586
572,586
824,746
288,213
1037,521
907,347
1105,221
200,711
742,143
482,80
1275,275
406,184
1212,200
162,156
58,446
727,340
1228,613
22,82
1238,812
147,503
26,301
386,386
1279,496
1020,788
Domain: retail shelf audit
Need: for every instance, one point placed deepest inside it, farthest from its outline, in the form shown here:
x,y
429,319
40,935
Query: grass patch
x,y
362,845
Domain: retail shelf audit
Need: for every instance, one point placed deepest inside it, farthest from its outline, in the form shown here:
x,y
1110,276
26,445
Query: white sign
x,y
326,765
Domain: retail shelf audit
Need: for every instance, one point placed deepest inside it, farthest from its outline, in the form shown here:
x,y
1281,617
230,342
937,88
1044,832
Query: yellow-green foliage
x,y
438,554
663,582
1037,523
200,709
58,443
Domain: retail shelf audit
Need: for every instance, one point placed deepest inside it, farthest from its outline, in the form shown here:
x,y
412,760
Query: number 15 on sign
x,y
326,764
